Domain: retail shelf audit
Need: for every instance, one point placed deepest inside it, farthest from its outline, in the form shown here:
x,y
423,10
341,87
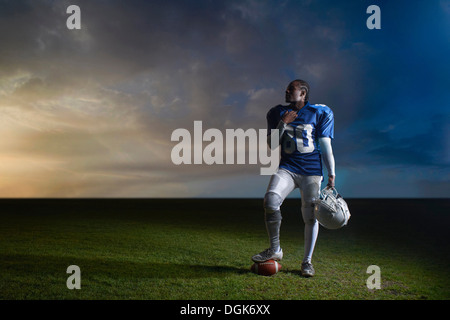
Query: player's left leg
x,y
310,190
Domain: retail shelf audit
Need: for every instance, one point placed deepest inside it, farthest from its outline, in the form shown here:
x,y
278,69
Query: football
x,y
267,268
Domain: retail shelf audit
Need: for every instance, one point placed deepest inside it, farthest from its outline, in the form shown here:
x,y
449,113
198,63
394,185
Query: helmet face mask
x,y
331,210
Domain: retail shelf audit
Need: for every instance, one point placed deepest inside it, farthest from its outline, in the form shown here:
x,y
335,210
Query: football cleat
x,y
331,210
268,254
307,269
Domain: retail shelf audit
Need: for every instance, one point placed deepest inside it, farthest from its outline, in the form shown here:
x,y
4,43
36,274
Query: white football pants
x,y
280,186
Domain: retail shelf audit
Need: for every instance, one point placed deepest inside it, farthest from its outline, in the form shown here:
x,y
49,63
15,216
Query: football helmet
x,y
331,210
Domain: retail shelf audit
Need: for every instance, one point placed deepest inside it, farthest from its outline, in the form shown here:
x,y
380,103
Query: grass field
x,y
201,248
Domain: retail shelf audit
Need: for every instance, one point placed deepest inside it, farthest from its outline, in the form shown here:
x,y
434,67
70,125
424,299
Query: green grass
x,y
201,249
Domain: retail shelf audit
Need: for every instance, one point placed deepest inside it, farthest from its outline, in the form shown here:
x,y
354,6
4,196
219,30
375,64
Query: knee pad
x,y
308,213
272,203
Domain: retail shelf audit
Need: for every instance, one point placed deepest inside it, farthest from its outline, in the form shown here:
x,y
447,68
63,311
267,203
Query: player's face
x,y
294,94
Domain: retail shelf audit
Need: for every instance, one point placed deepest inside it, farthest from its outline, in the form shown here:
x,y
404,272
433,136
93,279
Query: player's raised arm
x,y
272,123
289,116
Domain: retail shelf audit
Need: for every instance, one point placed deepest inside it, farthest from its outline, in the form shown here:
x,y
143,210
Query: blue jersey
x,y
300,152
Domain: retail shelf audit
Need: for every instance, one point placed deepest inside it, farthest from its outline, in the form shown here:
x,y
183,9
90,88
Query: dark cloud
x,y
103,101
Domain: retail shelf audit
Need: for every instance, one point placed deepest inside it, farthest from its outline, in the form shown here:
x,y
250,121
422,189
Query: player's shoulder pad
x,y
321,108
275,110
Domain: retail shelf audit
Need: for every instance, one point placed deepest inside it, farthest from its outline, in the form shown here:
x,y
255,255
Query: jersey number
x,y
300,138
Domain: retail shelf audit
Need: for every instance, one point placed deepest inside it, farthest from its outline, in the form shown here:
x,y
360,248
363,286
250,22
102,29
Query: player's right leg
x,y
280,185
309,189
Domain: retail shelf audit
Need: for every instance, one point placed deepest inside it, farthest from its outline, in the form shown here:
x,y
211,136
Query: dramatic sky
x,y
90,112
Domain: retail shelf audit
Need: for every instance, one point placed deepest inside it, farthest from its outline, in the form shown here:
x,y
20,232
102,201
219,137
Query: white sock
x,y
311,233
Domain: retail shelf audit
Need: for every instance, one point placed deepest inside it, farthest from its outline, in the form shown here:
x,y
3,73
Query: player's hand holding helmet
x,y
331,210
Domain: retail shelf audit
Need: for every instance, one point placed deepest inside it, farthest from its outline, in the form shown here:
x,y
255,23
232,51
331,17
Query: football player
x,y
306,131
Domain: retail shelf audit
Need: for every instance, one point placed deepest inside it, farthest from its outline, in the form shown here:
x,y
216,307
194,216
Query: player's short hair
x,y
302,84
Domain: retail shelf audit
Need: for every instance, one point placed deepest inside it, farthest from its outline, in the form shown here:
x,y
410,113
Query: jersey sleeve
x,y
325,126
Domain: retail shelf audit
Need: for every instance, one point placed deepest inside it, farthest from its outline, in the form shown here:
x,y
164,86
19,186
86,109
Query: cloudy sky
x,y
90,112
